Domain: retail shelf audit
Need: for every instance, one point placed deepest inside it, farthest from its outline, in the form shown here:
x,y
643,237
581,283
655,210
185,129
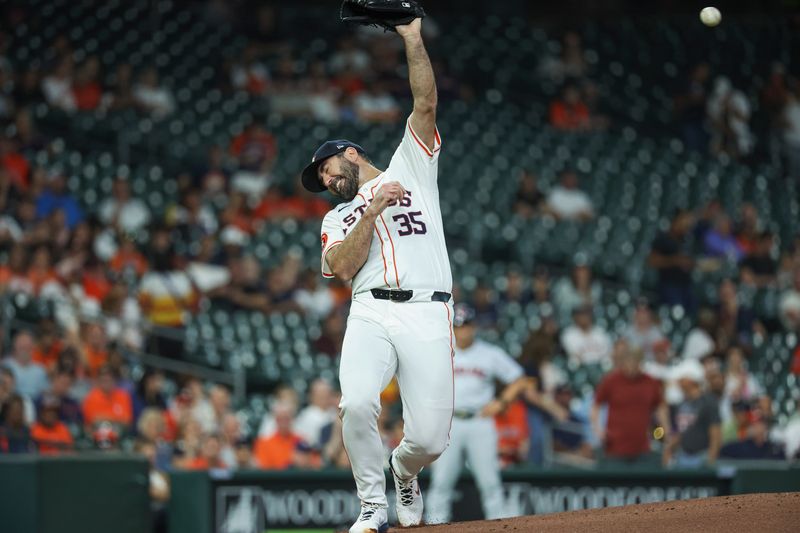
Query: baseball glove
x,y
384,14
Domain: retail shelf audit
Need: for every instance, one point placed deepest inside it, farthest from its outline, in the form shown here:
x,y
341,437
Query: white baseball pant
x,y
475,438
414,341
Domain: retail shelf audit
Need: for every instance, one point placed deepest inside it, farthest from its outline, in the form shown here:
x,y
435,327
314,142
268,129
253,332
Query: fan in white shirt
x,y
584,342
566,201
320,412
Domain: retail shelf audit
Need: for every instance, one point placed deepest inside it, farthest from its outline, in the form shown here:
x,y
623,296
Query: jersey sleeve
x,y
415,157
331,237
505,368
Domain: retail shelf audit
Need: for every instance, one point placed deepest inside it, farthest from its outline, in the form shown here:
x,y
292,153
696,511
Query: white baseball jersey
x,y
408,248
475,369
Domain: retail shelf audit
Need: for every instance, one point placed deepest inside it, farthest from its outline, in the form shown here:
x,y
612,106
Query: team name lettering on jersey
x,y
409,223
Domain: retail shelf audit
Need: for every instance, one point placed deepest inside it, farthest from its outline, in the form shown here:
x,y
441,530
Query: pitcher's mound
x,y
765,513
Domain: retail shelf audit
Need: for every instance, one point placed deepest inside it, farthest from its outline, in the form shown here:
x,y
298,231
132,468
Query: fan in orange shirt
x,y
48,345
50,434
41,269
512,434
570,113
284,448
107,402
128,258
95,347
209,455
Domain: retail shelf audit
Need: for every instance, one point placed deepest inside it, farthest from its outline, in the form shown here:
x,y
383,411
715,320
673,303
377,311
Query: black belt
x,y
464,415
399,295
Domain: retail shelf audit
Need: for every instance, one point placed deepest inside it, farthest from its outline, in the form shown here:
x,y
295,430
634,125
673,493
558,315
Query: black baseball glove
x,y
384,14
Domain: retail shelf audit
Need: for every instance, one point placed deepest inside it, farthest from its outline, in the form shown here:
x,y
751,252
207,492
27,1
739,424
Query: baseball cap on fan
x,y
328,149
463,314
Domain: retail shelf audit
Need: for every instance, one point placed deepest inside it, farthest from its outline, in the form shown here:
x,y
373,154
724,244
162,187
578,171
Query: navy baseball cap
x,y
463,314
310,178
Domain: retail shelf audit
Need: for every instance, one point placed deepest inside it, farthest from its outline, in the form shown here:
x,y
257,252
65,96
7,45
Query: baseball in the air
x,y
710,16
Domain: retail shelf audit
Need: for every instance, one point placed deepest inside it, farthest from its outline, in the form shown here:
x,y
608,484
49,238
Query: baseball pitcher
x,y
387,238
477,365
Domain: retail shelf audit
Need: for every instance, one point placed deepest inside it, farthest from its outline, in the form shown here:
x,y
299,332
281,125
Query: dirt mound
x,y
765,513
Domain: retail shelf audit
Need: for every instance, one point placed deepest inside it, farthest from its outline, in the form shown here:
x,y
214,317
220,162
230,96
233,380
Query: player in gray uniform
x,y
476,366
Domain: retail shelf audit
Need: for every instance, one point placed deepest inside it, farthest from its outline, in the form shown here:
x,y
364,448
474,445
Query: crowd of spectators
x,y
125,278
714,116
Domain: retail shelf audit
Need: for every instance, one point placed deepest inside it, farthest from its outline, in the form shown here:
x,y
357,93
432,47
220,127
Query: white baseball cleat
x,y
373,519
409,499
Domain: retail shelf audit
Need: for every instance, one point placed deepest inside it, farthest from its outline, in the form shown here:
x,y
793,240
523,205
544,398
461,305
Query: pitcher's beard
x,y
346,186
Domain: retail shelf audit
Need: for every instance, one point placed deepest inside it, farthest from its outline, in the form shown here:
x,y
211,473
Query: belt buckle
x,y
395,295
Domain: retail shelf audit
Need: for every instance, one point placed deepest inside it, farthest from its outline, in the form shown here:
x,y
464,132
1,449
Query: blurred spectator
x,y
14,165
791,435
122,211
94,347
720,242
789,305
699,342
376,104
255,150
28,136
193,219
759,269
219,398
529,201
540,288
567,201
302,205
569,112
121,97
48,344
57,86
107,403
149,393
8,387
69,410
167,296
740,384
320,412
283,394
14,434
515,291
231,442
736,323
245,290
756,445
737,426
570,64
86,89
153,98
633,399
644,333
30,377
209,456
349,55
56,197
568,435
729,111
122,317
697,436
49,433
576,291
315,298
14,274
322,96
512,434
583,341
158,483
151,428
250,73
690,108
669,255
284,448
